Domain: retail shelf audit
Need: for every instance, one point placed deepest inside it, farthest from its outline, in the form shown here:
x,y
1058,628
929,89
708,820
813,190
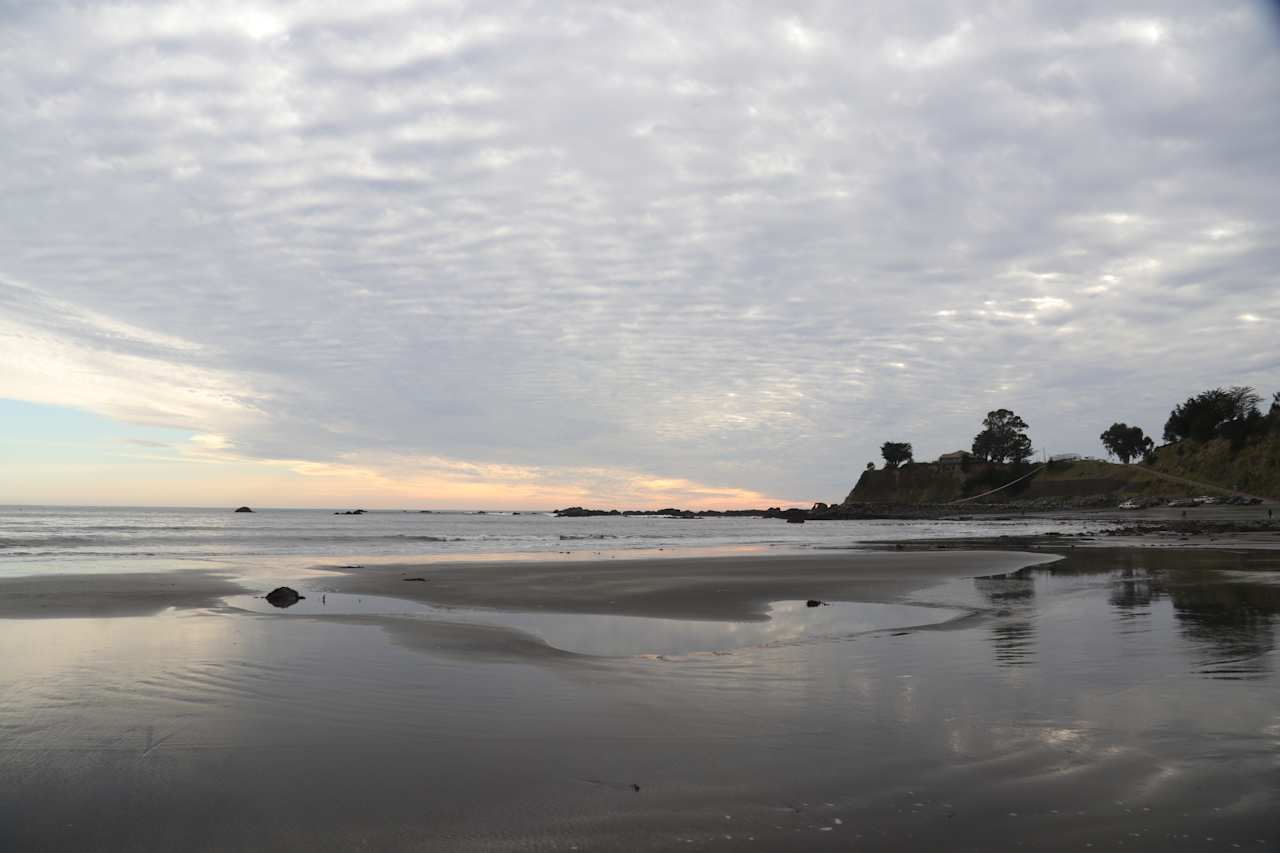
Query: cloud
x,y
144,442
705,244
54,352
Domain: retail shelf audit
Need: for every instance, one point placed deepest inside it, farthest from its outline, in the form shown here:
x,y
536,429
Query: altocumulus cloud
x,y
632,251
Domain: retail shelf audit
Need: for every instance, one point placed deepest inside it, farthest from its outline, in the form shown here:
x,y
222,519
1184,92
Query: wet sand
x,y
738,588
125,594
704,588
1123,699
701,588
730,588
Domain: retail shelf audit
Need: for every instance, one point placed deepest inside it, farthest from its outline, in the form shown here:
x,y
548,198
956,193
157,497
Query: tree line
x,y
1233,414
1003,439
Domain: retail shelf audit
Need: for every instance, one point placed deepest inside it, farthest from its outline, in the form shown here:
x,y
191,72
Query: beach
x,y
1046,700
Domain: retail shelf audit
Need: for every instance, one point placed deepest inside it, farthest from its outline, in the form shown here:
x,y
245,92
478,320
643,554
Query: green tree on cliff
x,y
1003,438
1125,442
896,452
1210,414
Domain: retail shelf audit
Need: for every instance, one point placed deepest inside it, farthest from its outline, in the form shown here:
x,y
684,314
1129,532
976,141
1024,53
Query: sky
x,y
527,255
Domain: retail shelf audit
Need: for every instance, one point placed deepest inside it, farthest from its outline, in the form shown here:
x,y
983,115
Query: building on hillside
x,y
956,457
1065,457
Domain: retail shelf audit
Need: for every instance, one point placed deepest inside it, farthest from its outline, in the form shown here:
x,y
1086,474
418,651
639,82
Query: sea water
x,y
37,540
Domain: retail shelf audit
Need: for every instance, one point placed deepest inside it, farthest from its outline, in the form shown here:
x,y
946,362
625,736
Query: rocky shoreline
x,y
860,511
1169,533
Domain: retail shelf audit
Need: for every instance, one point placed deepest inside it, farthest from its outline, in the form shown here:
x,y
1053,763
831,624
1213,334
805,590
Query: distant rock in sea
x,y
243,509
672,512
352,512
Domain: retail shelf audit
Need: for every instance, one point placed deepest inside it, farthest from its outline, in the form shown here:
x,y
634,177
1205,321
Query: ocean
x,y
37,540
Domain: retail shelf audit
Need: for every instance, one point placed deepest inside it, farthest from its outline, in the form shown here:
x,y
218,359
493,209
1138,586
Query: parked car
x,y
1132,503
1239,500
1184,502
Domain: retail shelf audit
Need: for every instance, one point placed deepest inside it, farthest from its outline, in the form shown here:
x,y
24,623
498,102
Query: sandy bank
x,y
700,588
133,594
730,588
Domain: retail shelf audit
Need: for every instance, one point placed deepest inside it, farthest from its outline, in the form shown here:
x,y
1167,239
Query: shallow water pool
x,y
609,635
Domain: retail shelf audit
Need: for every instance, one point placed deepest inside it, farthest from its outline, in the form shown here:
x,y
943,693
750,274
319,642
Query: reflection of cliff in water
x,y
1132,594
1133,590
1013,634
1230,625
1227,619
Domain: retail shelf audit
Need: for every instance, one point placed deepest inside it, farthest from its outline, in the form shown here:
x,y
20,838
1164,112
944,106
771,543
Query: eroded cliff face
x,y
916,483
1079,480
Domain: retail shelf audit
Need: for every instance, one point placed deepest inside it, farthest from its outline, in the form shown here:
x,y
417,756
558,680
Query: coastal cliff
x,y
1253,468
1068,482
913,483
929,489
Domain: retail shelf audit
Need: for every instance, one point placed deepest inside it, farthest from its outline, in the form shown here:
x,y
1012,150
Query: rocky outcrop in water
x,y
243,509
673,512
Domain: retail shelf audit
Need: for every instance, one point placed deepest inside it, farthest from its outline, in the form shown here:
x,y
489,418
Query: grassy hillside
x,y
1086,477
1253,469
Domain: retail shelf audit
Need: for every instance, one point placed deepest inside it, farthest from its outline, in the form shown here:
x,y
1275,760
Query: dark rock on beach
x,y
813,602
283,596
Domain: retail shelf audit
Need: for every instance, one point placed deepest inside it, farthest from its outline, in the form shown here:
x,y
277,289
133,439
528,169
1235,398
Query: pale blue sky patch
x,y
32,434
